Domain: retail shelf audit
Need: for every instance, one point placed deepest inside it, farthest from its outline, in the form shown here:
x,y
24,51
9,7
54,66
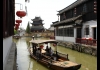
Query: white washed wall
x,y
92,23
7,42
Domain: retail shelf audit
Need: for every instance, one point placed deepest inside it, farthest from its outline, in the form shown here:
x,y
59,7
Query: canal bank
x,y
11,61
26,63
88,49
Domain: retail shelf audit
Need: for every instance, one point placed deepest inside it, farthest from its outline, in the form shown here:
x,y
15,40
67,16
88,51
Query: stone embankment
x,y
88,49
11,62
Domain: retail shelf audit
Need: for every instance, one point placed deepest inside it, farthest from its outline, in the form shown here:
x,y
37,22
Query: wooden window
x,y
64,16
59,32
74,13
67,29
87,30
64,31
84,8
71,32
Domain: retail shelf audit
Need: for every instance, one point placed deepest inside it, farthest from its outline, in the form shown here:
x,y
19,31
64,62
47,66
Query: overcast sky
x,y
46,9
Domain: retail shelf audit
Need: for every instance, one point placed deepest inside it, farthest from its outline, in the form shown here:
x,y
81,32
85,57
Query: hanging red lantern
x,y
18,21
54,45
16,28
95,7
41,46
17,25
21,14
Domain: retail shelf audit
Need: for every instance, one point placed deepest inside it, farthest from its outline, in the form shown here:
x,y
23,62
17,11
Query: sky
x,y
46,9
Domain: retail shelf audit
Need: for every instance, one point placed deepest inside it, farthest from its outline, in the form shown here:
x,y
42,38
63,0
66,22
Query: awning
x,y
67,20
78,21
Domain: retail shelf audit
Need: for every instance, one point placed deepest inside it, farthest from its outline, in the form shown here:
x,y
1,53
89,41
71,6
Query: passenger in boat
x,y
50,51
47,50
38,52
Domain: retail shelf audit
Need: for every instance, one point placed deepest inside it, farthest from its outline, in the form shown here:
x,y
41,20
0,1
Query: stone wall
x,y
11,62
88,49
43,34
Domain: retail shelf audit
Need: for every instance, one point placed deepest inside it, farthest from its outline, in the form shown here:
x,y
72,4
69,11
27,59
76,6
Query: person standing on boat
x,y
50,51
47,50
38,53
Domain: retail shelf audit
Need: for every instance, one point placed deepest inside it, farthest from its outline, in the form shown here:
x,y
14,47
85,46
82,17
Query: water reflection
x,y
26,63
88,62
23,58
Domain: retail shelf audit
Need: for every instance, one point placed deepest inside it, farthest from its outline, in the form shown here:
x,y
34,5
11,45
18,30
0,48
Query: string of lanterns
x,y
95,7
20,14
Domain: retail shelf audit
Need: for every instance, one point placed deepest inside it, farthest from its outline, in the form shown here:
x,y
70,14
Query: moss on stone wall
x,y
92,50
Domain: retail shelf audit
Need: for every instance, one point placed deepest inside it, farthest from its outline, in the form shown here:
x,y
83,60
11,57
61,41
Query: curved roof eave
x,y
76,3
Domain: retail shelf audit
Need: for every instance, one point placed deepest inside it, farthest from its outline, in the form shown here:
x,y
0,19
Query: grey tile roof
x,y
35,23
36,19
67,20
76,3
37,27
51,28
55,22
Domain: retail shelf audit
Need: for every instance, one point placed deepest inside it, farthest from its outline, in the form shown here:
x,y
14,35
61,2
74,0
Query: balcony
x,y
91,42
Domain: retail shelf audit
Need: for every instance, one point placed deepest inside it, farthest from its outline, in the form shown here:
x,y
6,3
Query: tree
x,y
15,31
28,30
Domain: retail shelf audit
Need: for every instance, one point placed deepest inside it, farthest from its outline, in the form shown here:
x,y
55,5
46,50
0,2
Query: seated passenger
x,y
50,51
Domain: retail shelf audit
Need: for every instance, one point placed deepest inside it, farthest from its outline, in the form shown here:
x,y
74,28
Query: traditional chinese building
x,y
78,20
9,59
9,47
37,25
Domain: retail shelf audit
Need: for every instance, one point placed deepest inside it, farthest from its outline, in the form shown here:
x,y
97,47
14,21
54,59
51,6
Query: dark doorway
x,y
94,33
78,32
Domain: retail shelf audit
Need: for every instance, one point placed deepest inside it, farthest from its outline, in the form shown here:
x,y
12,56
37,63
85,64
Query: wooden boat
x,y
16,36
57,61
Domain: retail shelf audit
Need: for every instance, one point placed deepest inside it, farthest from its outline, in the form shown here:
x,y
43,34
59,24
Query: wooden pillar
x,y
54,32
4,17
33,48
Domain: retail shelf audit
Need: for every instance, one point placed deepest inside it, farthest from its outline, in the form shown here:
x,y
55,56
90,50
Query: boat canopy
x,y
42,41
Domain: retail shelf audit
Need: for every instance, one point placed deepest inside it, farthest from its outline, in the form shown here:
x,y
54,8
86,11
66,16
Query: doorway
x,y
78,32
94,33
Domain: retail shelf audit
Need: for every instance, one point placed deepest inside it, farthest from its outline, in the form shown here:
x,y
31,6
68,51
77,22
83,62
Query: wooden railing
x,y
86,41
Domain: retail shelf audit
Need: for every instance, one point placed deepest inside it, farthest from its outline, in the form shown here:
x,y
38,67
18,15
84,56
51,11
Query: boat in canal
x,y
17,36
51,59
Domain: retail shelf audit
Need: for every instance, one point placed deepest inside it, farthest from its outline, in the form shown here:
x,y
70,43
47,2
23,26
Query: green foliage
x,y
15,32
28,30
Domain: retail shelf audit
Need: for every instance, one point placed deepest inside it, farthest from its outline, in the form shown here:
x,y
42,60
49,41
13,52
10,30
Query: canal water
x,y
24,62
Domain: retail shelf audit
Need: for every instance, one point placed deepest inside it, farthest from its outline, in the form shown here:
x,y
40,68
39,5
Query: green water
x,y
26,63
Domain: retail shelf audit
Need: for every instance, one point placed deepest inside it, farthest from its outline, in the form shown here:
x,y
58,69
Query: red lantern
x,y
18,21
54,44
95,2
95,7
16,28
41,46
17,25
21,14
90,38
83,38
